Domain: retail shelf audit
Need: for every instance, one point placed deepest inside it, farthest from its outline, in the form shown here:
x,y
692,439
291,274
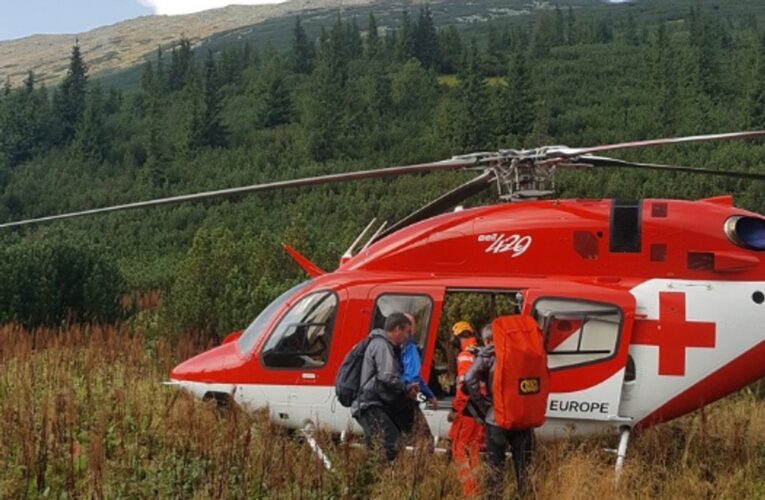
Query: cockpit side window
x,y
302,338
419,306
258,327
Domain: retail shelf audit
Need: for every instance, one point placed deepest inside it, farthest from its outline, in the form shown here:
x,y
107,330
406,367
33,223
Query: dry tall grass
x,y
82,414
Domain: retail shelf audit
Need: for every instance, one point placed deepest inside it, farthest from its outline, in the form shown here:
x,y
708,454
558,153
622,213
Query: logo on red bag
x,y
528,386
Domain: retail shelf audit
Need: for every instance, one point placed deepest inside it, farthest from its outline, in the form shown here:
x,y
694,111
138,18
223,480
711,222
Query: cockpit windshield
x,y
257,328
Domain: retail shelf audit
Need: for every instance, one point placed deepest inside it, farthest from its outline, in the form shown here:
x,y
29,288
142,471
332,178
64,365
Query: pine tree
x,y
571,37
302,49
275,101
473,120
695,24
517,99
664,80
158,159
425,41
373,38
405,38
160,73
335,51
540,130
390,45
153,75
757,95
114,101
232,62
353,43
157,148
24,123
377,91
69,101
559,36
324,113
630,31
414,89
213,133
147,77
91,139
449,50
494,61
181,65
707,60
29,82
250,56
544,34
604,32
194,96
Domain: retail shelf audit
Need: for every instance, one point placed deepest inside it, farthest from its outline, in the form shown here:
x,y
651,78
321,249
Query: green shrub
x,y
224,281
52,284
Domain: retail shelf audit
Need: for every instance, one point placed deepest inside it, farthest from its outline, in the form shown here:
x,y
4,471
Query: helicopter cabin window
x,y
419,306
301,339
578,332
477,307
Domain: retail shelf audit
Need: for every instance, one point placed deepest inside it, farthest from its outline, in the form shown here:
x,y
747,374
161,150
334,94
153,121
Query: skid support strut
x,y
307,433
621,452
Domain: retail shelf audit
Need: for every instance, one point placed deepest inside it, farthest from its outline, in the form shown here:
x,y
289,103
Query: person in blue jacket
x,y
411,415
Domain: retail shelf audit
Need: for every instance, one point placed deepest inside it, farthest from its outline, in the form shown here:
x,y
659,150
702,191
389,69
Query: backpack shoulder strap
x,y
365,343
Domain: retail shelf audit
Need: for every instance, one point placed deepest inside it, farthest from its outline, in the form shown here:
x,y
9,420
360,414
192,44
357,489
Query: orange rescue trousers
x,y
467,437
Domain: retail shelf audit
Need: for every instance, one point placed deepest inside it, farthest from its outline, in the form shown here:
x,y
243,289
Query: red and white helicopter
x,y
650,308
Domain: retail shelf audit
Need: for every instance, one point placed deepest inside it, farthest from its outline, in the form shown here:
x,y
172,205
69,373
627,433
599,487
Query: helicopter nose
x,y
187,370
209,366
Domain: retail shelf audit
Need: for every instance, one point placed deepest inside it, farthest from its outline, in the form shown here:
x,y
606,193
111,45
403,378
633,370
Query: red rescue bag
x,y
521,382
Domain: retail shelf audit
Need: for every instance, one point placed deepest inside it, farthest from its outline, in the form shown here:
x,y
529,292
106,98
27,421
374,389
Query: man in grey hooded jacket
x,y
478,383
382,392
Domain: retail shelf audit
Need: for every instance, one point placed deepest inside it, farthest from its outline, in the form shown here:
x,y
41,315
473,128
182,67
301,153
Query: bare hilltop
x,y
125,44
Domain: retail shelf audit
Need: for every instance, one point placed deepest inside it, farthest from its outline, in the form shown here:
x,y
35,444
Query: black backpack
x,y
348,380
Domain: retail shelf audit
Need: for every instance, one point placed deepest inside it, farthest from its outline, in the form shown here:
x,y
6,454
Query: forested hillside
x,y
351,96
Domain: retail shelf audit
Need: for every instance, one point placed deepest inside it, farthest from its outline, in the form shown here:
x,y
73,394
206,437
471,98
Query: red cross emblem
x,y
673,334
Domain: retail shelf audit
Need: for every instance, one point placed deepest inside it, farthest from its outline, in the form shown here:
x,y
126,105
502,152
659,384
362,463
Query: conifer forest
x,y
98,309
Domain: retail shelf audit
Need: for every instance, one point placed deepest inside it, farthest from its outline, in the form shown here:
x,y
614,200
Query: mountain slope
x,y
117,50
124,44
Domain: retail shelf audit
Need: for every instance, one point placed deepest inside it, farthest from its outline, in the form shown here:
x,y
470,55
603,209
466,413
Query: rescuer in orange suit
x,y
466,433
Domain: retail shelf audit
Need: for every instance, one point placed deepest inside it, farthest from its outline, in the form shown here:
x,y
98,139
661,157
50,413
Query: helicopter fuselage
x,y
650,310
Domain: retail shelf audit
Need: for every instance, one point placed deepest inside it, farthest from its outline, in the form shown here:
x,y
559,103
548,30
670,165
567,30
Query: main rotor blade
x,y
601,161
570,152
444,202
454,164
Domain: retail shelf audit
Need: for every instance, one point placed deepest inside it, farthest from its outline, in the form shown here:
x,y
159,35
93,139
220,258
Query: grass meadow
x,y
83,414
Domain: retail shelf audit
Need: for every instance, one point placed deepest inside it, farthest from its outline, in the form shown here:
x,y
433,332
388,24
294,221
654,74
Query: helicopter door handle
x,y
308,377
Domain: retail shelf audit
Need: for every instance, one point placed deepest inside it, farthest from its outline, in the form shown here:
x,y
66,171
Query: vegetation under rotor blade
x,y
601,161
271,186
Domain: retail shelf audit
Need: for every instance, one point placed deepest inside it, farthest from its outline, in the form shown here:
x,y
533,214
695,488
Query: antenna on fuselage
x,y
374,236
349,253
